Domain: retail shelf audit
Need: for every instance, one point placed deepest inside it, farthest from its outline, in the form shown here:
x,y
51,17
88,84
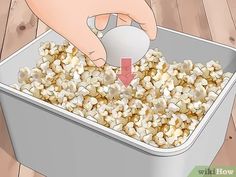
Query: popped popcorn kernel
x,y
162,106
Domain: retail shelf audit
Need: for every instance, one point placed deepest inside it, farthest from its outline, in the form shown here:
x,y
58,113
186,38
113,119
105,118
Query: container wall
x,y
57,147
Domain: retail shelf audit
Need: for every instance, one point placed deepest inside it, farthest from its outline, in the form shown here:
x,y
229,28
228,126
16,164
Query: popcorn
x,y
93,101
170,132
147,138
162,105
88,106
36,74
197,71
187,66
200,93
129,129
118,127
83,91
170,140
212,96
24,74
159,134
173,108
183,117
45,66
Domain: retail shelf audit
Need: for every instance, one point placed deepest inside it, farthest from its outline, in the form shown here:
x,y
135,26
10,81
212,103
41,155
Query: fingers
x,y
85,40
101,21
142,14
74,30
123,20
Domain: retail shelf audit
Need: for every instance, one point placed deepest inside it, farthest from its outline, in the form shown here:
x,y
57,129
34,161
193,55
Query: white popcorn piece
x,y
178,132
192,127
80,69
213,64
173,108
160,134
212,96
181,75
197,71
118,127
71,87
140,91
45,66
147,138
187,66
170,132
165,77
166,93
183,117
25,86
170,85
200,93
160,104
93,101
191,79
83,91
170,140
201,81
172,121
160,141
179,89
36,74
70,106
197,104
76,77
24,74
149,54
88,106
207,105
109,77
70,48
210,65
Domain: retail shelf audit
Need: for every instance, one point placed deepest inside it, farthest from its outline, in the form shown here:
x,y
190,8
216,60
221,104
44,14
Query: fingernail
x,y
99,62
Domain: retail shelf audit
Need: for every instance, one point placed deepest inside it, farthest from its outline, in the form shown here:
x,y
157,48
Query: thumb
x,y
88,43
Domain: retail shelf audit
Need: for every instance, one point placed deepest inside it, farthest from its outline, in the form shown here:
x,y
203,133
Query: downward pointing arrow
x,y
126,75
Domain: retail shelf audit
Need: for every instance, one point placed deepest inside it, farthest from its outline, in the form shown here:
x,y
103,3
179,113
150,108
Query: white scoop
x,y
125,41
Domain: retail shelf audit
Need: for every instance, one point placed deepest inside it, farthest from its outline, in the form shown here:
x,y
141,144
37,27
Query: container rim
x,y
112,133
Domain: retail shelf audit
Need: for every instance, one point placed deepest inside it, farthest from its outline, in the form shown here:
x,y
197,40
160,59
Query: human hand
x,y
69,18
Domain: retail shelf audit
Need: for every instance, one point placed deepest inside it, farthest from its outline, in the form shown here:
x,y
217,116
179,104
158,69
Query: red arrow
x,y
126,75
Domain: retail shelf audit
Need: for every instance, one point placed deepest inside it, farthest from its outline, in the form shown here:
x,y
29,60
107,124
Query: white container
x,y
58,143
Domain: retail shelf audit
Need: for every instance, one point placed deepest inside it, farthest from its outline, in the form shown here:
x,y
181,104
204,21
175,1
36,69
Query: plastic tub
x,y
58,143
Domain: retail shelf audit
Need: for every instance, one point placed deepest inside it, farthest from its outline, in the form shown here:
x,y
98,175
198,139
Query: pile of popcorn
x,y
161,107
